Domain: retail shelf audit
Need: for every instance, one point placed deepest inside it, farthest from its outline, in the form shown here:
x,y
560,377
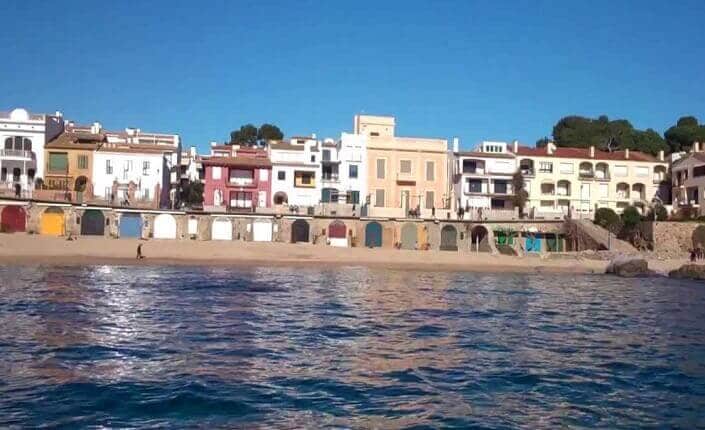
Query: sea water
x,y
347,347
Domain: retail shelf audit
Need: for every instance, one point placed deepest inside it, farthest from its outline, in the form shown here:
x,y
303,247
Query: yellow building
x,y
403,173
69,160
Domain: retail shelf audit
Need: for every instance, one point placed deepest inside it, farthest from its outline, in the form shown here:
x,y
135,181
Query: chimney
x,y
592,152
456,145
58,114
626,154
213,143
515,146
550,148
313,135
96,128
661,155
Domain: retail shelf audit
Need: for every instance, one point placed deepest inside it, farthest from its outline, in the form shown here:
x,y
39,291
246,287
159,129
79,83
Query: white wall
x,y
19,122
353,151
103,182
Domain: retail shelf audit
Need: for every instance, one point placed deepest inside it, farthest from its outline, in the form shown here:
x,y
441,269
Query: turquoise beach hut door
x,y
131,225
373,235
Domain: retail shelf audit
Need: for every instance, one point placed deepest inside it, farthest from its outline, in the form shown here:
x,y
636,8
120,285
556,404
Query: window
x,y
497,204
145,168
374,133
281,175
18,143
16,173
353,197
128,166
108,192
145,194
545,167
642,171
379,198
620,171
475,186
306,179
604,191
58,162
3,174
430,200
263,175
469,166
567,168
352,171
500,187
216,172
326,155
313,158
698,171
380,168
241,199
82,162
430,171
405,166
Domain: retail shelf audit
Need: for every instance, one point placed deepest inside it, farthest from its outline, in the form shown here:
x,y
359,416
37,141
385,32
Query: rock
x,y
688,271
628,266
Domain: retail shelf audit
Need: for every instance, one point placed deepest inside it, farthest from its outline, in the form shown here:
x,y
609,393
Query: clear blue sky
x,y
477,70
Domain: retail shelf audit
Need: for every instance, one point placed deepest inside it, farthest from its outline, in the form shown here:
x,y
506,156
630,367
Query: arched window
x,y
16,172
26,144
8,143
18,143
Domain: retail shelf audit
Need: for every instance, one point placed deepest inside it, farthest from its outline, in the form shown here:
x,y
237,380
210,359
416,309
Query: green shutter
x,y
58,162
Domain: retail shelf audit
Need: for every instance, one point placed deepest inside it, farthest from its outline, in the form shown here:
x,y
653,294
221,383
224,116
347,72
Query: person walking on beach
x,y
139,252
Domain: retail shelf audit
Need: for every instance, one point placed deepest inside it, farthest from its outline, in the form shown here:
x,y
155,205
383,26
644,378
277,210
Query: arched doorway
x,y
280,198
479,239
165,227
52,222
13,219
221,229
299,231
449,238
373,235
262,230
81,184
408,236
130,225
93,223
337,234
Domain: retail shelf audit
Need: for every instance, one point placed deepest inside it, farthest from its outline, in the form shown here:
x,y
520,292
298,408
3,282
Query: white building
x,y
139,168
688,179
191,166
295,172
23,136
352,154
482,179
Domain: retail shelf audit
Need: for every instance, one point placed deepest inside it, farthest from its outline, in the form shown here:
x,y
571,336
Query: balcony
x,y
406,177
17,154
586,174
330,178
242,182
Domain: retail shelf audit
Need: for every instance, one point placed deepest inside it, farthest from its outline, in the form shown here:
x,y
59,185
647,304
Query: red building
x,y
237,179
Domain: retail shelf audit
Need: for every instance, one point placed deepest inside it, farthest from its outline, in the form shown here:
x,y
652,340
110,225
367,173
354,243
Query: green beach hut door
x,y
408,236
449,238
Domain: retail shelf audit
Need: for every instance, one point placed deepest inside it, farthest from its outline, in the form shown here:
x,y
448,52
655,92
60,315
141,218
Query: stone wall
x,y
673,239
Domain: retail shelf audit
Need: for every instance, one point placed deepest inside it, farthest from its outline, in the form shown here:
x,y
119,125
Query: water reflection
x,y
350,347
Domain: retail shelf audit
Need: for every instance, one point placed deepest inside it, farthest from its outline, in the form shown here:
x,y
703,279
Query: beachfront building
x,y
559,180
69,166
404,174
295,173
136,168
344,169
237,179
23,136
688,179
482,180
191,168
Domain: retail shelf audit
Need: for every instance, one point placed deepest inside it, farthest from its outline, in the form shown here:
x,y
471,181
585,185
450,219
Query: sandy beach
x,y
35,249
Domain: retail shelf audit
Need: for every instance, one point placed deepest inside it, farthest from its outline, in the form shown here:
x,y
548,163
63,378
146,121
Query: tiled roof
x,y
286,146
237,162
699,156
584,153
485,154
80,140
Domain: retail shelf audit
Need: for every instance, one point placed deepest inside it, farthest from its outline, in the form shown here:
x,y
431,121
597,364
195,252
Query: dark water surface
x,y
347,347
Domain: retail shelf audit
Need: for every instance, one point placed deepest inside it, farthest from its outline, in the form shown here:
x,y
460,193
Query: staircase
x,y
602,237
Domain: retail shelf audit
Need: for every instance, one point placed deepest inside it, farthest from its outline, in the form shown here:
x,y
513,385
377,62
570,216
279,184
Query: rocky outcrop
x,y
628,267
689,271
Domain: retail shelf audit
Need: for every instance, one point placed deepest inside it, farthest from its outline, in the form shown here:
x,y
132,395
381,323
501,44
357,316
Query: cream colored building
x,y
688,179
583,179
403,173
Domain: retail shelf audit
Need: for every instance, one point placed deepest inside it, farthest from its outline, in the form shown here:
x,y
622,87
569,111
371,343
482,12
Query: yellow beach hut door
x,y
52,223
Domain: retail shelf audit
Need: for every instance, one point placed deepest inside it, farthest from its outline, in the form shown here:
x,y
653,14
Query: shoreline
x,y
29,250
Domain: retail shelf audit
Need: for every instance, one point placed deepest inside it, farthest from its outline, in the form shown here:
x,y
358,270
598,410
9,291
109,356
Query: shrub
x,y
608,219
631,218
686,213
660,213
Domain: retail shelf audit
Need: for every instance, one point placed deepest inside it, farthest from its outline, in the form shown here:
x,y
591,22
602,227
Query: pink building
x,y
237,179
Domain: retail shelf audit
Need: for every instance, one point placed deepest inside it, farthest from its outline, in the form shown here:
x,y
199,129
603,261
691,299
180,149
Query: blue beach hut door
x,y
131,225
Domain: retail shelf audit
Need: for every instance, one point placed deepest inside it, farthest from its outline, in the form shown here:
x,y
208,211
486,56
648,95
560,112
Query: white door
x,y
262,231
165,227
585,197
221,229
262,198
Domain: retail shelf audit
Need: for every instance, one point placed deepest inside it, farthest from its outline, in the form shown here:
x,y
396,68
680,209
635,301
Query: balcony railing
x,y
527,172
405,177
586,174
602,176
330,177
17,153
242,182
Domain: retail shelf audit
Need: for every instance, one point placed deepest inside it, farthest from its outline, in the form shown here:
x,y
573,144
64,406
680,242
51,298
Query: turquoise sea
x,y
107,346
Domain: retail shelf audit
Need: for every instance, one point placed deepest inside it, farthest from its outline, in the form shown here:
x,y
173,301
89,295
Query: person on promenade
x,y
139,252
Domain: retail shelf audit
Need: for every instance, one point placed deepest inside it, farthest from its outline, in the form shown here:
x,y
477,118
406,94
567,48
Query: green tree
x,y
681,136
520,196
630,218
608,219
268,132
542,142
246,135
192,194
